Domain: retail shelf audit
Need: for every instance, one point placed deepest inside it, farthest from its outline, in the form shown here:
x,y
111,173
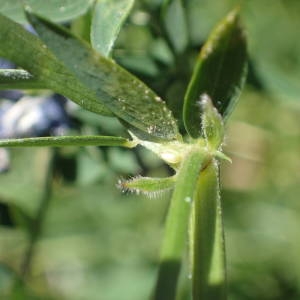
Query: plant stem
x,y
207,240
63,141
177,225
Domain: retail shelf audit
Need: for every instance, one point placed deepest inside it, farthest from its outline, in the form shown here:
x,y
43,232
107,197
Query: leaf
x,y
212,123
206,238
220,72
108,18
177,225
55,10
175,24
278,70
81,26
36,58
148,186
121,92
19,79
13,10
63,141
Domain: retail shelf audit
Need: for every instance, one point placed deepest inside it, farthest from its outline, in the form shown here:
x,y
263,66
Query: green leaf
x,y
207,240
175,24
36,58
81,26
19,79
148,186
55,10
12,9
108,18
126,96
220,72
62,141
175,236
212,123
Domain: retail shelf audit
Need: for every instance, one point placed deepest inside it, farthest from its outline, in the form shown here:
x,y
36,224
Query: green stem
x,y
207,240
177,225
62,141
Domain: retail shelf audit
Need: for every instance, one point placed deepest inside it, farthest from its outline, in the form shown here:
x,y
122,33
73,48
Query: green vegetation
x,y
160,212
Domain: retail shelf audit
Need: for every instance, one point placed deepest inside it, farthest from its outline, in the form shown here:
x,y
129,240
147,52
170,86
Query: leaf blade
x,y
175,24
55,10
212,124
121,92
43,65
149,186
219,72
108,18
19,79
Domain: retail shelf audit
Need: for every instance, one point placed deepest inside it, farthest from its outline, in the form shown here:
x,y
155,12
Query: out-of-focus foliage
x,y
56,10
272,34
108,18
100,244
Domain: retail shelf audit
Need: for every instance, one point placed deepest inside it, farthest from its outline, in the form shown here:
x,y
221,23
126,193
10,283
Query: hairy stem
x,y
207,240
62,141
177,225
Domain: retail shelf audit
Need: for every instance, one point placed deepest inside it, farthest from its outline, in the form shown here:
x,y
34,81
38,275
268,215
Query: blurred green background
x,y
98,243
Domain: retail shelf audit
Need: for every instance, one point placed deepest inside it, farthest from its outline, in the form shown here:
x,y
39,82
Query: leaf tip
x,y
211,122
223,156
